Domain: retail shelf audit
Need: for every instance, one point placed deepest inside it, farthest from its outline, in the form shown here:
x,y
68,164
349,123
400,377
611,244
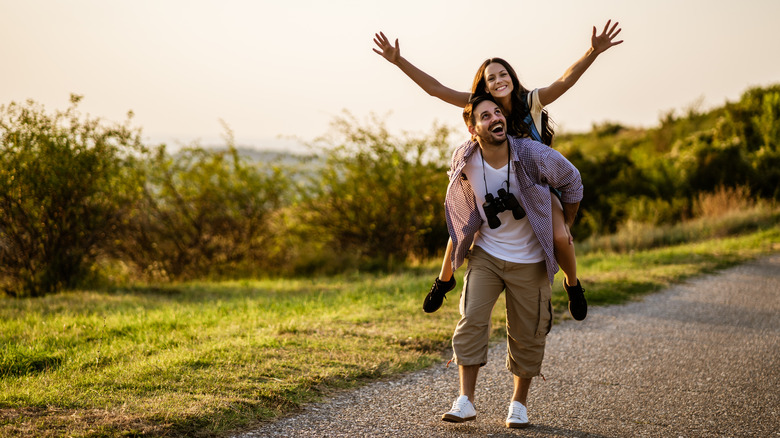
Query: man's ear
x,y
472,131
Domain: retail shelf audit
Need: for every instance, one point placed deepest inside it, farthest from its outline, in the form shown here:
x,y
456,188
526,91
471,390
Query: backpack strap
x,y
529,120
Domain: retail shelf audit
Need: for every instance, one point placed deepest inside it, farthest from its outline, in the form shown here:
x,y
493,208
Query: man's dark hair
x,y
468,110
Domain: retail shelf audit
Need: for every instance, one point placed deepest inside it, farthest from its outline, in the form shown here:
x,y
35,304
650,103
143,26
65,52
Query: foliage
x,y
378,196
75,191
204,212
66,182
655,176
635,236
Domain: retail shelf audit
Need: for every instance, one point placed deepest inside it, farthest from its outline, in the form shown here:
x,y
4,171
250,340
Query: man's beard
x,y
490,139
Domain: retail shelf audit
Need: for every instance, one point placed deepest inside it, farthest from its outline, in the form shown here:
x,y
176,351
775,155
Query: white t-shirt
x,y
513,241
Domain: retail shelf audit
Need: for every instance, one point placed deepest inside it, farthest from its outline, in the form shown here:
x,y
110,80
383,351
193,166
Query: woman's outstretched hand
x,y
388,51
604,41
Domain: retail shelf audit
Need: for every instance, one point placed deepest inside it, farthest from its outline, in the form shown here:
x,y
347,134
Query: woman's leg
x,y
444,283
446,265
564,246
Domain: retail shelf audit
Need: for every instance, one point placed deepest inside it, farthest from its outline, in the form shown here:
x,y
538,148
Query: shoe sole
x,y
427,307
455,419
517,425
578,317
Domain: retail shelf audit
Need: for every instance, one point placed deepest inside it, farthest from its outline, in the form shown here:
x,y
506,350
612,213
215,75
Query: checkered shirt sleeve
x,y
537,168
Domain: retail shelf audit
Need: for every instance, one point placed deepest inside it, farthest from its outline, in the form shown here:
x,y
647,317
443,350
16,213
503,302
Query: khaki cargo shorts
x,y
528,308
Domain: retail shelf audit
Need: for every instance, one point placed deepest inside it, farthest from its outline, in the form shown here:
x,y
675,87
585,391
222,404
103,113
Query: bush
x,y
722,201
66,181
204,212
753,125
379,197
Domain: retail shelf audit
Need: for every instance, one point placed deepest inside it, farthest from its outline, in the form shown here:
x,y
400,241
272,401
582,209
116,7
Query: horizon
x,y
276,72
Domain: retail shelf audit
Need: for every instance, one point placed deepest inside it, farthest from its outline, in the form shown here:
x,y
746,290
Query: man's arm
x,y
570,213
554,170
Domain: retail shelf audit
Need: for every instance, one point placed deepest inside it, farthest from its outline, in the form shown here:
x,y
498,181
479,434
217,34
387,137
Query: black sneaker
x,y
578,307
437,294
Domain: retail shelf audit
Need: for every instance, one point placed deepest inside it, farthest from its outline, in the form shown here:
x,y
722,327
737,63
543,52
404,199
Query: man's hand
x,y
602,42
569,214
388,51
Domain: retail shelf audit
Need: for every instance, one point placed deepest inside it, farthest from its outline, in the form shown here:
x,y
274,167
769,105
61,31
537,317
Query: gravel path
x,y
701,359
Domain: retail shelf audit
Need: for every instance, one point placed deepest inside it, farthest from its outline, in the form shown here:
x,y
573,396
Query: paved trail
x,y
701,359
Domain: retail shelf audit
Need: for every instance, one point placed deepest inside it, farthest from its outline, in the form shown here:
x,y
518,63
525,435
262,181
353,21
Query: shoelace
x,y
434,287
516,413
458,406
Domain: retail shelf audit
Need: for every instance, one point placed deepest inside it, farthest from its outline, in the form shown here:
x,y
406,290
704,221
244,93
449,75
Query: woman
x,y
526,118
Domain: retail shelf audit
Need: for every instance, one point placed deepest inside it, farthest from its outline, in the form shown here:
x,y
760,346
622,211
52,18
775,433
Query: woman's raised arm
x,y
598,44
431,86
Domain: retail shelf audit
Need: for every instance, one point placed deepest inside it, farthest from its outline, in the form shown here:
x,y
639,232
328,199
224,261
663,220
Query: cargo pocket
x,y
544,321
464,292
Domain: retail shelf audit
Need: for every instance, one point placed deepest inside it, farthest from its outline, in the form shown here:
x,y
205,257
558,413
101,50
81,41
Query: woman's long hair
x,y
516,120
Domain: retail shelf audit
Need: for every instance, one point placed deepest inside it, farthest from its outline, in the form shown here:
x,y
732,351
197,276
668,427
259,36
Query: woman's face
x,y
499,83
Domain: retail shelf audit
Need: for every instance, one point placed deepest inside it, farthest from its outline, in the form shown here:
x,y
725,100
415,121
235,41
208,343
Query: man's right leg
x,y
463,407
481,289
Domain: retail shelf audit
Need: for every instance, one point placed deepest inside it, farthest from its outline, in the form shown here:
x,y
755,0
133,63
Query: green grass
x,y
638,236
615,278
207,359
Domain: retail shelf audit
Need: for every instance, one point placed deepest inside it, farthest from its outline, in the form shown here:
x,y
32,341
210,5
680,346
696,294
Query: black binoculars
x,y
505,201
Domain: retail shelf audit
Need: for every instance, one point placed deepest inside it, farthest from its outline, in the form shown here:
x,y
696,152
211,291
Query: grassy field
x,y
208,359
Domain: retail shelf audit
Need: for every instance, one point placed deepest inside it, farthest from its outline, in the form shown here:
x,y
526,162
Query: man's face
x,y
489,124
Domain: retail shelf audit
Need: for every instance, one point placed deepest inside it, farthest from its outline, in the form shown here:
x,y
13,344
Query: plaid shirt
x,y
537,168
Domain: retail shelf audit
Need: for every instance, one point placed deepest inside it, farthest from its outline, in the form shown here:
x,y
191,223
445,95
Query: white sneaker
x,y
462,410
518,416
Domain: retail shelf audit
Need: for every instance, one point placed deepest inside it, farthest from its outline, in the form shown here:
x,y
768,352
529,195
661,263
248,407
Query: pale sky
x,y
287,68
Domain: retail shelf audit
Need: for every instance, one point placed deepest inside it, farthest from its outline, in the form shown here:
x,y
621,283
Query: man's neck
x,y
495,154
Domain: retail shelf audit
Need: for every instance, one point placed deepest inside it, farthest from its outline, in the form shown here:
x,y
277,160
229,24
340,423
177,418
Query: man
x,y
498,199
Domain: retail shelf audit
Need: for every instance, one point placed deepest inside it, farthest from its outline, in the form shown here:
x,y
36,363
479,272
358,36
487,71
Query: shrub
x,y
380,197
723,200
204,212
66,181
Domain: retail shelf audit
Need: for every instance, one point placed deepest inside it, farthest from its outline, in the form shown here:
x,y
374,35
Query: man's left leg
x,y
518,413
529,319
520,393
